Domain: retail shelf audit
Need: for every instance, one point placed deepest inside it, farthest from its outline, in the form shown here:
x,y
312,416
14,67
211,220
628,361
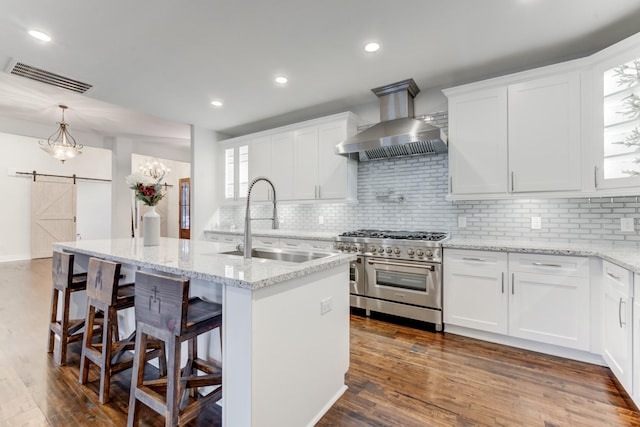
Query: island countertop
x,y
201,259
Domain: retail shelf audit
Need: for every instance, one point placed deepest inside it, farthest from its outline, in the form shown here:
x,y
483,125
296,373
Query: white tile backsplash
x,y
409,193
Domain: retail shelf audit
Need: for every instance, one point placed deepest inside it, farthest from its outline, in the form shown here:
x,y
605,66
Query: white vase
x,y
151,227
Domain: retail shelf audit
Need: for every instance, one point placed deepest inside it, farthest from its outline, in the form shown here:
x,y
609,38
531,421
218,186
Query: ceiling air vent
x,y
43,76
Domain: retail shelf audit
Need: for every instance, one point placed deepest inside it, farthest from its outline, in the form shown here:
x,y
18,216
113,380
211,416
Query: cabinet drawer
x,y
617,276
265,242
549,264
474,258
294,244
320,245
224,238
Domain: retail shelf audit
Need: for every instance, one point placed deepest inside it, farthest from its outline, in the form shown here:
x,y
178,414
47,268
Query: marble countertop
x,y
290,234
624,255
202,260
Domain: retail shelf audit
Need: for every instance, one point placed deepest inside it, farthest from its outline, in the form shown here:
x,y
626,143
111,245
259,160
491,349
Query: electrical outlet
x,y
462,221
536,223
280,219
320,219
627,225
326,305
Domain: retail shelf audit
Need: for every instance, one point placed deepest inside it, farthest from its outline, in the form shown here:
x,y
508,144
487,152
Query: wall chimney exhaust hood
x,y
399,133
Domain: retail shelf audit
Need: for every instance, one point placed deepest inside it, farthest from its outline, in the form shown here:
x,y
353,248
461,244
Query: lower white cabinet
x,y
474,290
636,340
617,322
274,242
224,238
543,298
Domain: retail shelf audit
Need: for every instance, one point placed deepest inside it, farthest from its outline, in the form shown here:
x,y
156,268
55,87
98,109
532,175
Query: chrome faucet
x,y
248,219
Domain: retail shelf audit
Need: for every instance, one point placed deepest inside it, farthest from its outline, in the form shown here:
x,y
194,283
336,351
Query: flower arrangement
x,y
148,190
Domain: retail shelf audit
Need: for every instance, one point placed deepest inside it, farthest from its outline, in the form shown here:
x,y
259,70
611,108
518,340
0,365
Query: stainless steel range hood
x,y
398,134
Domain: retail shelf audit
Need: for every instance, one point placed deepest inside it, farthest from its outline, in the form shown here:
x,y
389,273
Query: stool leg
x,y
137,376
173,383
86,343
54,319
64,326
105,362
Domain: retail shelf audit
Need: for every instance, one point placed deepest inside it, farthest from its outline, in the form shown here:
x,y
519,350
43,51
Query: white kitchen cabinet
x,y
544,134
475,294
478,148
542,298
516,134
236,171
617,322
233,239
260,165
305,163
616,115
549,299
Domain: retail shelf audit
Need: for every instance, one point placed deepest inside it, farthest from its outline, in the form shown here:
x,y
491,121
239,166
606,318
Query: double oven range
x,y
396,272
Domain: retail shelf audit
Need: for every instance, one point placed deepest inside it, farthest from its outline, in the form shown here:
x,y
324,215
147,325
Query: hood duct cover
x,y
398,134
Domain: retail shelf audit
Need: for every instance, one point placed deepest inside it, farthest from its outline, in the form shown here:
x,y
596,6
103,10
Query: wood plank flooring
x,y
399,376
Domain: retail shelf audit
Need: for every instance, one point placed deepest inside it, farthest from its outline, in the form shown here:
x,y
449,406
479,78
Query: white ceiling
x,y
156,64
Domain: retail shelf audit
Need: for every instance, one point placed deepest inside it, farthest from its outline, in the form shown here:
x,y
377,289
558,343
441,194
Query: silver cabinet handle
x,y
503,282
474,259
512,183
513,283
595,176
315,191
544,264
319,192
620,312
613,276
451,184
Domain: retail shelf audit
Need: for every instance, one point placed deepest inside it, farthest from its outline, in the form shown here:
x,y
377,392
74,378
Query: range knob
x,y
389,250
372,249
410,252
381,249
396,251
419,252
429,253
354,248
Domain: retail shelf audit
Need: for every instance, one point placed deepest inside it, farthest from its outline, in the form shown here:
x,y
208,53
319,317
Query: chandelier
x,y
154,168
61,145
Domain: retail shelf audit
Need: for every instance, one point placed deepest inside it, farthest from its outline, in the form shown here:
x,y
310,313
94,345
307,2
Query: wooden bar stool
x,y
106,297
65,282
165,311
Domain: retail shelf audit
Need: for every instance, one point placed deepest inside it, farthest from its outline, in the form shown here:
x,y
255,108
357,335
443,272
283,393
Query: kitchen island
x,y
285,335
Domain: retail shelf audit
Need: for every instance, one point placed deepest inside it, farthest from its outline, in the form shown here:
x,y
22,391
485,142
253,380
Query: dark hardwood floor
x,y
399,376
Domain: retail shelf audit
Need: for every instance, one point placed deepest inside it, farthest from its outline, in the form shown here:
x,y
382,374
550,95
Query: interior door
x,y
184,214
53,214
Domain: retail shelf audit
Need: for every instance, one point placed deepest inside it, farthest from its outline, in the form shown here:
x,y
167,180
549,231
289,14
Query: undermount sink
x,y
281,254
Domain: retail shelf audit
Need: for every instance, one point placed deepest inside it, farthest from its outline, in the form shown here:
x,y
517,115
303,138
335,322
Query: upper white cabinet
x,y
616,115
300,160
544,134
516,134
478,158
236,171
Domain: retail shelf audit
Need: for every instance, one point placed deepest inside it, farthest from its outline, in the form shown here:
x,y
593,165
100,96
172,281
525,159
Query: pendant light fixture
x,y
61,145
154,168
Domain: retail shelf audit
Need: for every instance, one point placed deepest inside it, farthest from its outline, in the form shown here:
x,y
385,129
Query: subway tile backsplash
x,y
409,193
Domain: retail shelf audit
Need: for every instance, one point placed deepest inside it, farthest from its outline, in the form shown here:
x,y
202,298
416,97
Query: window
x,y
236,172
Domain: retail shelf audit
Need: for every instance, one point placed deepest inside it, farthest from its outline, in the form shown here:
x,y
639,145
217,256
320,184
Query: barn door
x,y
53,214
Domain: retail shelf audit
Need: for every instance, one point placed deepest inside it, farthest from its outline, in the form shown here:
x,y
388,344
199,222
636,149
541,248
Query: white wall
x,y
206,190
23,154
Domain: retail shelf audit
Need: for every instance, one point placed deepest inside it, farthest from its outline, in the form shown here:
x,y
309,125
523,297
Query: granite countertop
x,y
624,255
290,234
202,260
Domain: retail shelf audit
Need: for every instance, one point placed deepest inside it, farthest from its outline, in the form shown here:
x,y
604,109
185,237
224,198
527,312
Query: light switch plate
x,y
320,219
326,305
462,221
627,224
536,223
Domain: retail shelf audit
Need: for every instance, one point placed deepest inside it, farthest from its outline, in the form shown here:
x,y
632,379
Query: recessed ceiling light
x,y
281,80
39,35
216,103
372,47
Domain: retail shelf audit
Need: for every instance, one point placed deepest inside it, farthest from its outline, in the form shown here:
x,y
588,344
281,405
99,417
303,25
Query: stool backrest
x,y
102,280
162,302
62,264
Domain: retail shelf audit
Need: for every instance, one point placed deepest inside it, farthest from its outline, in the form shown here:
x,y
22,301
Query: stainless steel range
x,y
396,272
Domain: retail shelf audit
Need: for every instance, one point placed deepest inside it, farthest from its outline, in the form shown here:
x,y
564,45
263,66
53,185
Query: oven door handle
x,y
399,264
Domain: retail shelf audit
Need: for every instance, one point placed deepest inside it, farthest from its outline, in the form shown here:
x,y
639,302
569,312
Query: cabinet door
x,y
544,134
282,164
305,165
550,308
260,165
617,321
478,142
474,290
332,168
